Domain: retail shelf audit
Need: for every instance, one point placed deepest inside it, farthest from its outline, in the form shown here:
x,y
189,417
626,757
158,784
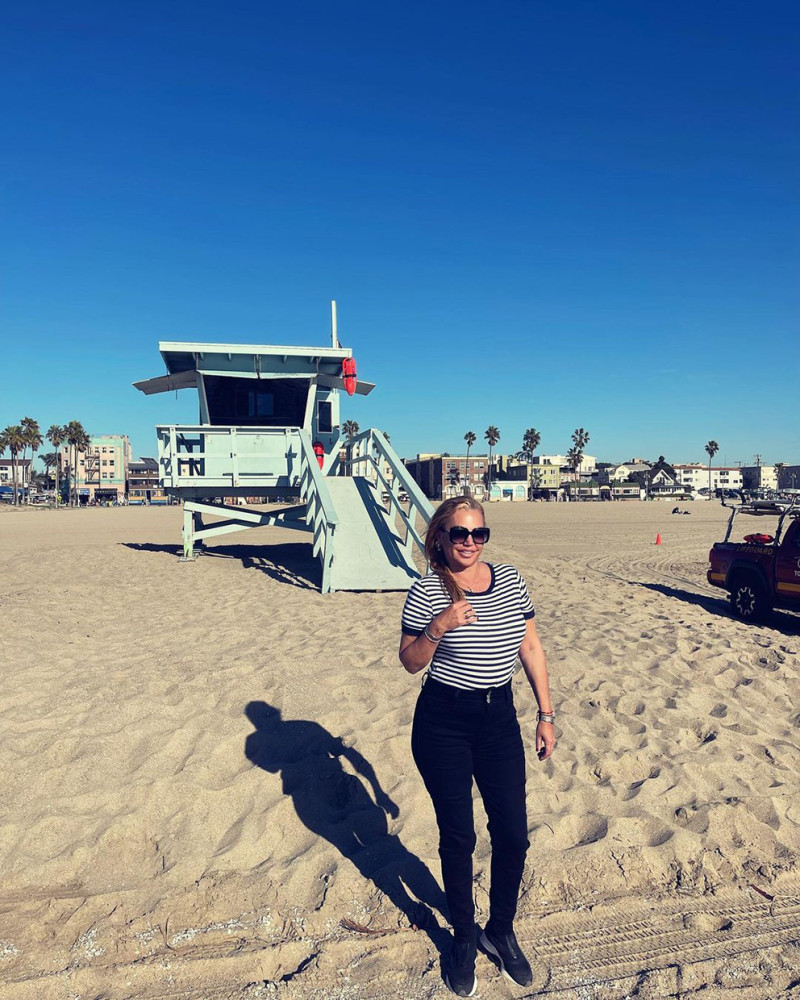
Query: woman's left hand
x,y
545,739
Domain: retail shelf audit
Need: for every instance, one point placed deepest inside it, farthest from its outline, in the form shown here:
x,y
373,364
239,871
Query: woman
x,y
470,620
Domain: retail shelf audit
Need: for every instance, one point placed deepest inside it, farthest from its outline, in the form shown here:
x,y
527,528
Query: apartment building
x,y
759,477
696,476
102,470
541,479
23,472
442,476
588,465
789,478
144,484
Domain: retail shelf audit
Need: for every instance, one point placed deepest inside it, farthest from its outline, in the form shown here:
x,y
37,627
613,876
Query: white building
x,y
23,472
624,471
696,476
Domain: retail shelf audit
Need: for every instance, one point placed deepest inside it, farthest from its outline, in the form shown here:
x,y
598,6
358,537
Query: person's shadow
x,y
335,805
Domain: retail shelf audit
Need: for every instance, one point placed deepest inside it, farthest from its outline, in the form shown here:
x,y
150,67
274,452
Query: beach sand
x,y
206,769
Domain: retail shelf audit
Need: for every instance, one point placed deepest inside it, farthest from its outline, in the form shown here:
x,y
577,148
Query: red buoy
x,y
319,451
349,375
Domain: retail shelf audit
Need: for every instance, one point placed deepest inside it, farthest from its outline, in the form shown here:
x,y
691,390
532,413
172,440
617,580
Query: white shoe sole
x,y
487,944
471,992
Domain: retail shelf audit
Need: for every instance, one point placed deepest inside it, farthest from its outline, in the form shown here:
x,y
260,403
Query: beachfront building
x,y
663,482
789,478
23,472
508,489
102,469
696,476
18,472
629,489
440,476
580,487
759,477
625,471
588,465
144,484
542,480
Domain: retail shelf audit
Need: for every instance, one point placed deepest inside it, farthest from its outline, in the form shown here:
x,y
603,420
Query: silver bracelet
x,y
547,717
429,635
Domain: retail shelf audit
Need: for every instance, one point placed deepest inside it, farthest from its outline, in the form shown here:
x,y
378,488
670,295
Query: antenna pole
x,y
334,331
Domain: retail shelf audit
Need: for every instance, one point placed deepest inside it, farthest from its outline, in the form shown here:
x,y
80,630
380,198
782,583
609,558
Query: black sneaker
x,y
505,948
460,976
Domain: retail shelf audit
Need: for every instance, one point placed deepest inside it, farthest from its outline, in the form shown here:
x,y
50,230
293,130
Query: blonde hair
x,y
434,553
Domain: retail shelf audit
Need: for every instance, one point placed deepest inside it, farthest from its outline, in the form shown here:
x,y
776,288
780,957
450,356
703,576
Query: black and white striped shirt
x,y
483,654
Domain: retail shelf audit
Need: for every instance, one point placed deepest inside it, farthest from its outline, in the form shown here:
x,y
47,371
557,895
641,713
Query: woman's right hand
x,y
457,614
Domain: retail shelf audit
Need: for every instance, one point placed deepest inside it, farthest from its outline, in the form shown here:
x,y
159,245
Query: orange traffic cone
x,y
658,539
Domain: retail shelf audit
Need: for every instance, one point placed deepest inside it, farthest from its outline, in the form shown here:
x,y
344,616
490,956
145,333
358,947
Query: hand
x,y
388,806
545,739
457,614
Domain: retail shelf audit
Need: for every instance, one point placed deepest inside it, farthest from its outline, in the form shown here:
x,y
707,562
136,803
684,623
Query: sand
x,y
206,769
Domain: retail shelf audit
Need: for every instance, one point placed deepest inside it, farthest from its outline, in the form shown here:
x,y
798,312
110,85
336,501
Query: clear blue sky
x,y
543,214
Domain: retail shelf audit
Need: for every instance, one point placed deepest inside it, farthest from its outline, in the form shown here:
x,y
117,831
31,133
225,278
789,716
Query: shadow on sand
x,y
779,621
335,805
291,562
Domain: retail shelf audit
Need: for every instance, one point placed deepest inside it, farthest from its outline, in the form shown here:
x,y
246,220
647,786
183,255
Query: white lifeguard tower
x,y
269,428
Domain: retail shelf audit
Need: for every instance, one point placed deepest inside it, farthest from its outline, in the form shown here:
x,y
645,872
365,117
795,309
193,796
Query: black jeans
x,y
458,735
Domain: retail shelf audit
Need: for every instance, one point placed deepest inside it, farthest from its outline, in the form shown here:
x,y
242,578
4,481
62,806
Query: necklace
x,y
471,587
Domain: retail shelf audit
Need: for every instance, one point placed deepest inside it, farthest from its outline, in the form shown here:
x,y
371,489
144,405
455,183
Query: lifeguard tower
x,y
269,428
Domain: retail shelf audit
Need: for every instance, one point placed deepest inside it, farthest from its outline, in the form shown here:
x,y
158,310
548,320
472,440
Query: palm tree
x,y
470,438
580,438
32,439
13,439
779,467
78,441
4,447
57,435
50,459
492,435
711,448
530,442
84,444
350,428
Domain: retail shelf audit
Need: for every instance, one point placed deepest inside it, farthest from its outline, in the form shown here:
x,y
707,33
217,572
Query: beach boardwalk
x,y
269,428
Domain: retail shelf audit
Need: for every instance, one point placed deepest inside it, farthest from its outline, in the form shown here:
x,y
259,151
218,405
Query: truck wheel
x,y
749,598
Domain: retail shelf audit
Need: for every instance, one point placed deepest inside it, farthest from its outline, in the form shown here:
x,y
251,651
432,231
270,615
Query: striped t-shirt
x,y
483,654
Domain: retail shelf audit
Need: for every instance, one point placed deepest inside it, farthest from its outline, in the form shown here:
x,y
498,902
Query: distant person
x,y
470,620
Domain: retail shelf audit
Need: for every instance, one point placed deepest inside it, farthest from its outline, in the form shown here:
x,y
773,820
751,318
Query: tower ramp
x,y
368,552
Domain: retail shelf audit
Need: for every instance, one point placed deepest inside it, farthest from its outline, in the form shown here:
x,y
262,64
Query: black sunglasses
x,y
480,536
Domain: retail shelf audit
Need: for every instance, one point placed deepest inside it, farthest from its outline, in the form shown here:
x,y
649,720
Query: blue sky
x,y
545,214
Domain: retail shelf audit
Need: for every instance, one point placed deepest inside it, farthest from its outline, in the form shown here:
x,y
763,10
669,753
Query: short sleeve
x,y
417,611
525,602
